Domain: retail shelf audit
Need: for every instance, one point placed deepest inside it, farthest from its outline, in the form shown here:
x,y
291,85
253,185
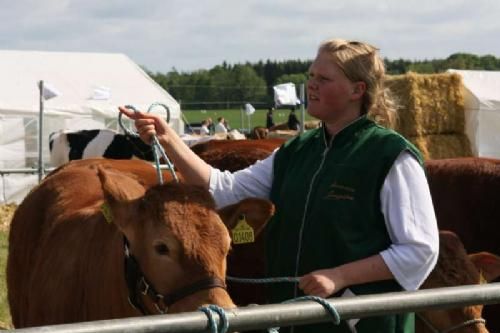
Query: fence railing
x,y
298,313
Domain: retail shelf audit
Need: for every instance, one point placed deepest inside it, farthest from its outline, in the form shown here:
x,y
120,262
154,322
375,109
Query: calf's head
x,y
455,268
175,234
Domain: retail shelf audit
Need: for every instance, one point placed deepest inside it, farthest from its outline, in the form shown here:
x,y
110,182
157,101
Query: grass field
x,y
237,119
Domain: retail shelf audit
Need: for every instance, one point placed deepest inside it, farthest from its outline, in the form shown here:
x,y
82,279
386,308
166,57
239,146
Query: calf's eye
x,y
162,249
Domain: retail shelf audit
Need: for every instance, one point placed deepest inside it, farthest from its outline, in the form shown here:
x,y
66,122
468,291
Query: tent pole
x,y
302,107
40,134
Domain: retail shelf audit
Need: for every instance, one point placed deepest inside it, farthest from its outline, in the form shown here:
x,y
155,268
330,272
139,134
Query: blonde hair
x,y
360,62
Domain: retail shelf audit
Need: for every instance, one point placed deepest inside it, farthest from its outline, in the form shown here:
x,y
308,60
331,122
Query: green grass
x,y
234,117
5,321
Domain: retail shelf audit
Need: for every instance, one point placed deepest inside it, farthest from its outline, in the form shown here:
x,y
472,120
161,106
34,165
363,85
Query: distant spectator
x,y
293,121
269,118
211,126
204,128
220,127
226,124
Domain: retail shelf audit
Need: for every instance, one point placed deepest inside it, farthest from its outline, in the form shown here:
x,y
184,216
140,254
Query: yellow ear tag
x,y
243,232
106,212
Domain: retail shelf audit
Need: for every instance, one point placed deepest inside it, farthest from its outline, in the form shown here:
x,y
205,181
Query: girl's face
x,y
330,94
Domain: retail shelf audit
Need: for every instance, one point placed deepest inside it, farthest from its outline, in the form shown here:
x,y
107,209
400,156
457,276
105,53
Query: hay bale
x,y
6,213
282,134
428,104
312,124
442,145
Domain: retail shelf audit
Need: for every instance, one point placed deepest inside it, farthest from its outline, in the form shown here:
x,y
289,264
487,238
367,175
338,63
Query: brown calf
x,y
66,256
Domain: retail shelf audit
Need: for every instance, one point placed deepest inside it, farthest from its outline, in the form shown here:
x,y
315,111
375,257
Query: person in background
x,y
204,128
226,124
293,121
211,126
220,127
354,213
269,118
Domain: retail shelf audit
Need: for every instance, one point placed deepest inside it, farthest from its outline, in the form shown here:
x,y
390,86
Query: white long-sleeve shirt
x,y
405,202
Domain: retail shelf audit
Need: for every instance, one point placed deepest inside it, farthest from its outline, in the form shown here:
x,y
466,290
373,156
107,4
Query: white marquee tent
x,y
482,111
91,87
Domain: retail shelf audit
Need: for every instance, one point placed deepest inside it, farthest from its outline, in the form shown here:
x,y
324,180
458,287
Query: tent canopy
x,y
91,87
80,78
482,110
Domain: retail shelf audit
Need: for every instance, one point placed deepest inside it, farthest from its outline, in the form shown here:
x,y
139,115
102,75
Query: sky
x,y
189,35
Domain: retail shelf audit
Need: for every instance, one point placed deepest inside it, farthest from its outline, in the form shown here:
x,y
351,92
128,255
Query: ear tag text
x,y
242,233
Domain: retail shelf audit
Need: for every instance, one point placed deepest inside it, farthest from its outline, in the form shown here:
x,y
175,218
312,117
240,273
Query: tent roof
x,y
484,85
76,76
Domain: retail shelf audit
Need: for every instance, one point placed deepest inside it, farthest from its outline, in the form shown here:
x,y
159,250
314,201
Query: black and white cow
x,y
68,145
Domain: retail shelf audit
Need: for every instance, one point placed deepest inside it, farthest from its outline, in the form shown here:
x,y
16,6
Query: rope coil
x,y
209,311
157,148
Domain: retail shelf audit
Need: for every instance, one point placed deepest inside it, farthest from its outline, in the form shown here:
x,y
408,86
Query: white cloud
x,y
193,34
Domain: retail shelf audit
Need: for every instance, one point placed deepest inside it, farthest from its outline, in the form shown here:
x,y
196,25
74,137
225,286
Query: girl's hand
x,y
321,283
147,125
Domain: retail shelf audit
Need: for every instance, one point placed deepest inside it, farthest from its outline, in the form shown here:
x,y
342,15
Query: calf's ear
x,y
122,193
487,263
256,211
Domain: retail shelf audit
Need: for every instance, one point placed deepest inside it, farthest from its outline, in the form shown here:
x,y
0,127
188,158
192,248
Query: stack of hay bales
x,y
430,113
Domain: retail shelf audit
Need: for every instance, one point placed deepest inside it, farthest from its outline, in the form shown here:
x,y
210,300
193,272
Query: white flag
x,y
285,94
101,93
49,91
249,109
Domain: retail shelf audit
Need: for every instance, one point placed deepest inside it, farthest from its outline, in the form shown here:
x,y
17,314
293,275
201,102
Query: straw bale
x,y
442,145
311,124
6,213
282,134
428,104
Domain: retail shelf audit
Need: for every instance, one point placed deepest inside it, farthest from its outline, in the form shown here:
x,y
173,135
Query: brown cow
x,y
465,196
235,155
455,268
258,133
265,144
66,255
465,193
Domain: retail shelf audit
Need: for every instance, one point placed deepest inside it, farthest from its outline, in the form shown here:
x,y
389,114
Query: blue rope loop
x,y
131,107
327,306
209,311
157,148
212,309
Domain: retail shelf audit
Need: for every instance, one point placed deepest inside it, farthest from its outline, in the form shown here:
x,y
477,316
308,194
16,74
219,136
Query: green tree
x,y
297,79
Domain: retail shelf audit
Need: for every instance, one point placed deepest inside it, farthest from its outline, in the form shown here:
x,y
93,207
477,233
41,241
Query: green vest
x,y
332,192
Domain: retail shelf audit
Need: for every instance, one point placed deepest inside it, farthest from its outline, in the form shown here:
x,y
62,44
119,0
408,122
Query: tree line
x,y
231,85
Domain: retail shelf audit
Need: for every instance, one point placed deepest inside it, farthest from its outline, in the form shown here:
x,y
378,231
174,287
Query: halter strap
x,y
138,284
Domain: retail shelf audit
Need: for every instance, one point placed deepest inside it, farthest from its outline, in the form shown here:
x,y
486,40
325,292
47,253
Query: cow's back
x,y
464,192
61,220
235,155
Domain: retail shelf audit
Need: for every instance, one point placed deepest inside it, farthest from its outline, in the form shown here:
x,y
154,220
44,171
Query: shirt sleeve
x,y
411,222
255,181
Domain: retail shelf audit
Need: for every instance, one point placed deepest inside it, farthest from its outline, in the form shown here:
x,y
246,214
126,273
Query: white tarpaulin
x,y
285,94
482,111
84,91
